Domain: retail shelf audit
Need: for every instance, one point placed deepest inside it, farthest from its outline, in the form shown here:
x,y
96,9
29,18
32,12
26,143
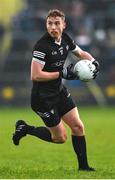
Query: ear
x,y
64,24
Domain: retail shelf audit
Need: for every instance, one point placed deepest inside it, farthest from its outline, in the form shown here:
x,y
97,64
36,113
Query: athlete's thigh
x,y
66,103
46,109
72,118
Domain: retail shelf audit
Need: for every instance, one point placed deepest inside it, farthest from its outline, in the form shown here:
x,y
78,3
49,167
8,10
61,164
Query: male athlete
x,y
49,98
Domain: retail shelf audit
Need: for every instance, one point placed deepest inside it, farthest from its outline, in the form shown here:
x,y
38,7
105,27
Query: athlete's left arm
x,y
81,54
78,52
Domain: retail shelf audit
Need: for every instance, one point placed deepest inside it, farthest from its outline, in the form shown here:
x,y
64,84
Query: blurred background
x,y
91,23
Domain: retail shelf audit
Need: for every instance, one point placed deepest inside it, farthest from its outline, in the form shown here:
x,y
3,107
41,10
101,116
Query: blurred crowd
x,y
90,22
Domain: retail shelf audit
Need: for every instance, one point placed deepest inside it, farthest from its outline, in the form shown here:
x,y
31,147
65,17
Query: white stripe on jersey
x,y
76,48
39,54
39,61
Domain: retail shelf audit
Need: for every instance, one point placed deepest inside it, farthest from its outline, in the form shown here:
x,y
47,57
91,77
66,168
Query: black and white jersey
x,y
52,55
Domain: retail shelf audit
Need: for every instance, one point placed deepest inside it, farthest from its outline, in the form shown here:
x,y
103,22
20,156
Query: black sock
x,y
40,132
79,145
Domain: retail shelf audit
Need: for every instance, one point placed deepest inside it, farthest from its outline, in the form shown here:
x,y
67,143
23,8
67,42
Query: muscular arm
x,y
78,52
37,73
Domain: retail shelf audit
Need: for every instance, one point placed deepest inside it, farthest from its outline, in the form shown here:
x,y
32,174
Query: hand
x,y
96,63
67,73
96,71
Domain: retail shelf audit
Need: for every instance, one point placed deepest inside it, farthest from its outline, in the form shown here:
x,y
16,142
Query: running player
x,y
50,99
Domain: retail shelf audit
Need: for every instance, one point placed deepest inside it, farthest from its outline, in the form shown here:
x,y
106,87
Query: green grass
x,y
35,159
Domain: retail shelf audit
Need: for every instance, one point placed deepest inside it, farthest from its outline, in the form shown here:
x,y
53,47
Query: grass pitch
x,y
36,159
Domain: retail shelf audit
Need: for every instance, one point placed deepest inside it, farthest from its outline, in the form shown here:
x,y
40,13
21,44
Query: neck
x,y
58,39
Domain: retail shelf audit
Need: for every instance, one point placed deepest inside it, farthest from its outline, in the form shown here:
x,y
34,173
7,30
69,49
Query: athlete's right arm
x,y
37,73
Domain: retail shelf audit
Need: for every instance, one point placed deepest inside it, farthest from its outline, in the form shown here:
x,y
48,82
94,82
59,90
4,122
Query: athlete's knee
x,y
78,128
60,139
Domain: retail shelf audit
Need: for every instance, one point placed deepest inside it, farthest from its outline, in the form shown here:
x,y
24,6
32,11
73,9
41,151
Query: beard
x,y
54,34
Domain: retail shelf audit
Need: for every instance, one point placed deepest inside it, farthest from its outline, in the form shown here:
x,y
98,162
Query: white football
x,y
84,69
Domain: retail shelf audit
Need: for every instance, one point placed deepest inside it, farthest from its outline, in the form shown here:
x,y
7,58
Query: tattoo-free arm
x,y
37,73
81,54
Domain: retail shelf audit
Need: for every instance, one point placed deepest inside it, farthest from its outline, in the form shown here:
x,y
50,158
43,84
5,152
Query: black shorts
x,y
52,109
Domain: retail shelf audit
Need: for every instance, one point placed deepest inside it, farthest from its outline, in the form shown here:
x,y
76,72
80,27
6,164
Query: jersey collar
x,y
58,42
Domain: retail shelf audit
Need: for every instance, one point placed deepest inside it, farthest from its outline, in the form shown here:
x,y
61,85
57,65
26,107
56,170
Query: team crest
x,y
61,50
67,47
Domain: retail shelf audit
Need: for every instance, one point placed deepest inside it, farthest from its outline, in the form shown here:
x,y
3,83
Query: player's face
x,y
55,27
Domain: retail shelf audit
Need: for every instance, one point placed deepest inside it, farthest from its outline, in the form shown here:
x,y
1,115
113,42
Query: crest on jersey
x,y
67,47
61,50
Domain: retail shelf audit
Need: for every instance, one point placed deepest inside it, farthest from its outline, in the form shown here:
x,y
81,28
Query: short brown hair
x,y
55,13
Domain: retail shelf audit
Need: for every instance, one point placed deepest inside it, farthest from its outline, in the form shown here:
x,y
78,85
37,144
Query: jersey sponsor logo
x,y
57,64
